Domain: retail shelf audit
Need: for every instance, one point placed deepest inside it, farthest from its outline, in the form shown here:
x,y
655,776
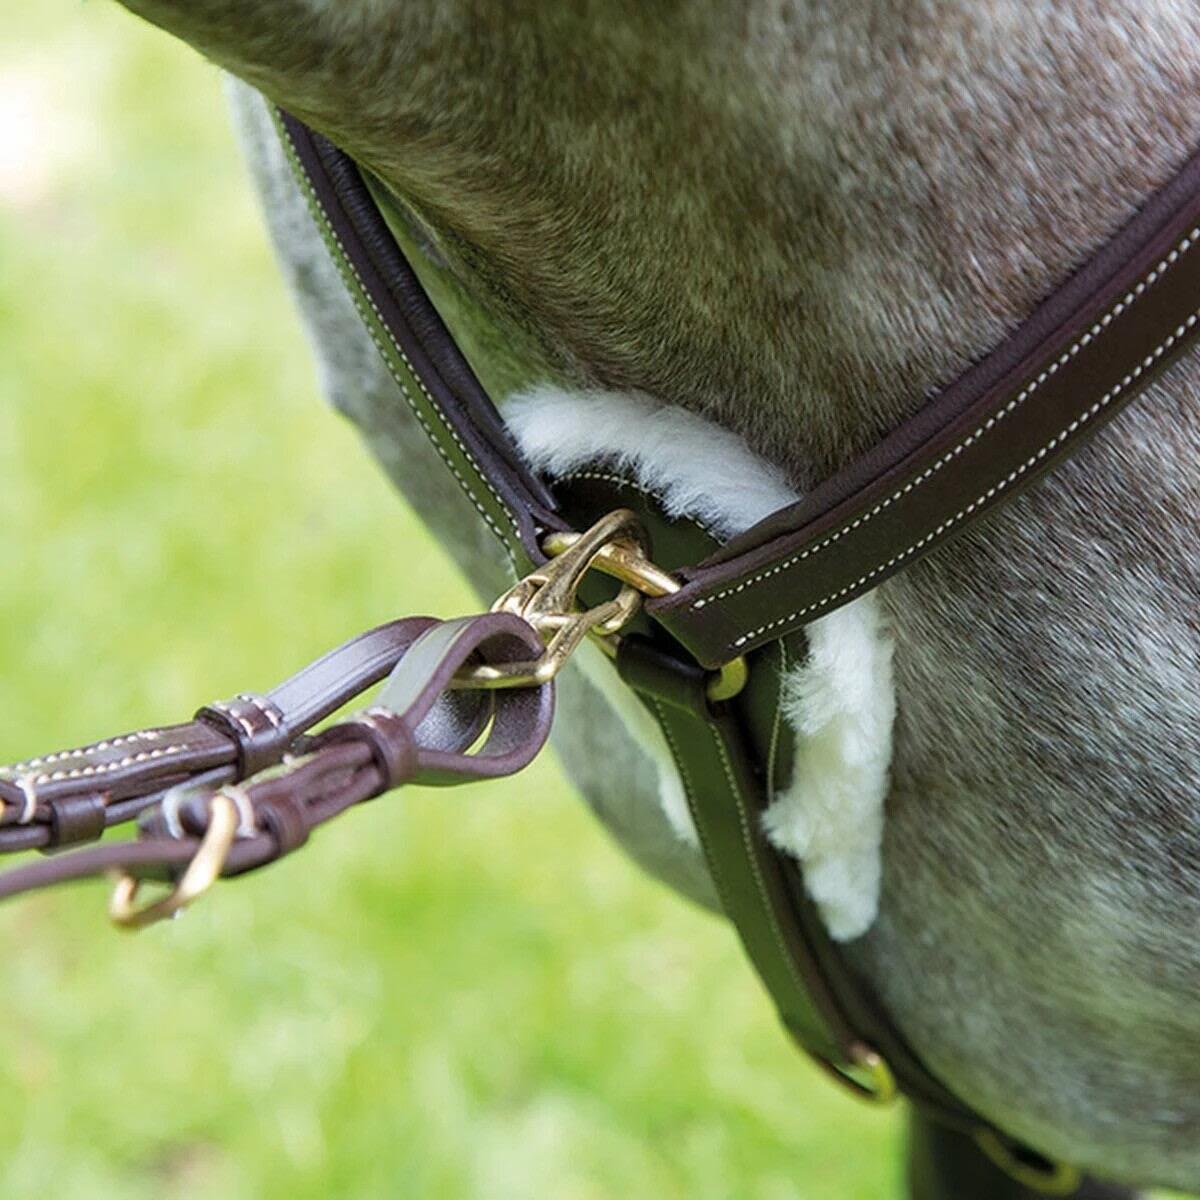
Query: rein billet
x,y
248,781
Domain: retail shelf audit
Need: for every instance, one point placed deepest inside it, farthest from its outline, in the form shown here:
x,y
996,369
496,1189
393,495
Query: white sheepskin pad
x,y
840,702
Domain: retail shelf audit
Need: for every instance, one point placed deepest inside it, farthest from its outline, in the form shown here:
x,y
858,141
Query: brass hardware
x,y
546,598
867,1075
1048,1178
622,561
206,865
728,680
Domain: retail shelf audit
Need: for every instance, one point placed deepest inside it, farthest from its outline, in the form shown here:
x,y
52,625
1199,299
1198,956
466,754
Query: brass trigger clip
x,y
548,599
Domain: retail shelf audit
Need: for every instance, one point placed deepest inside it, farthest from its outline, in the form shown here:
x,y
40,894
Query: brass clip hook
x,y
547,599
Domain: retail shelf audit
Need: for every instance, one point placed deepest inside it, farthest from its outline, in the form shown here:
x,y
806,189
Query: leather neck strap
x,y
1070,367
1073,365
1084,354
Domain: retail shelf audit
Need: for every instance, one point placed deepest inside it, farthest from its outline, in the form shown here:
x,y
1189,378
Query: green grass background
x,y
448,994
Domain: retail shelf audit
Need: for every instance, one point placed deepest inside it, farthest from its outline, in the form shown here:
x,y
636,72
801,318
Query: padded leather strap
x,y
1072,366
1084,354
431,372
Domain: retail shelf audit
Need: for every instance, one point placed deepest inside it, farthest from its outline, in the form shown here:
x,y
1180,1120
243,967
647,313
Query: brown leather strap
x,y
433,376
1074,364
732,757
1085,353
726,804
73,795
1082,356
423,730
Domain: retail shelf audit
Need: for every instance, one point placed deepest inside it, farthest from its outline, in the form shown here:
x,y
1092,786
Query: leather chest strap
x,y
827,1012
1083,355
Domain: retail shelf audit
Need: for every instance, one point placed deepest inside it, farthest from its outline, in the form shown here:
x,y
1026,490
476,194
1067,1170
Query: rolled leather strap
x,y
75,819
132,772
283,818
388,737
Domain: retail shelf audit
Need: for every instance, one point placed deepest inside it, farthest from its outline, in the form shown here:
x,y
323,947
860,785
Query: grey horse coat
x,y
1035,937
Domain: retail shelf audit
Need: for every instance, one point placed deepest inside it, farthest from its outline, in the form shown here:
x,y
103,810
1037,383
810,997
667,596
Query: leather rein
x,y
701,632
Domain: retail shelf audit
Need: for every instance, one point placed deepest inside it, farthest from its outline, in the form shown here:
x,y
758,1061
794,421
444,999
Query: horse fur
x,y
798,218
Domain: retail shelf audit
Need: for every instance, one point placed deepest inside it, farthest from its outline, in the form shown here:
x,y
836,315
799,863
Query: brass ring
x,y
866,1075
728,680
1044,1176
200,874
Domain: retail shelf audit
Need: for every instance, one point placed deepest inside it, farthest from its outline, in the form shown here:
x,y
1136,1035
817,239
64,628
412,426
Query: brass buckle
x,y
1034,1172
201,873
547,598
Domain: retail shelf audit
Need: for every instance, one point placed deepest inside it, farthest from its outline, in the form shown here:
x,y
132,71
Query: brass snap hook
x,y
616,546
547,599
204,869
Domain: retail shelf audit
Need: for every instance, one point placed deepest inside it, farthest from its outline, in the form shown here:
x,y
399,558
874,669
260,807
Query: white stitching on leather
x,y
709,858
1124,303
743,821
45,760
346,267
131,760
237,718
996,489
718,880
267,711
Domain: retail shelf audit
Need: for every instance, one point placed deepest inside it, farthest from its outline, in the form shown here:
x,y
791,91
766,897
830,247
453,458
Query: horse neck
x,y
795,216
797,219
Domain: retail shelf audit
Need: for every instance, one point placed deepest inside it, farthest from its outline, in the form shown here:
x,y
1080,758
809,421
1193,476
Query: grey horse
x,y
795,220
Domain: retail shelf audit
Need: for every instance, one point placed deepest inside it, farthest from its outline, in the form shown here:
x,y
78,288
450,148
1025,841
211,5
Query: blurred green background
x,y
451,995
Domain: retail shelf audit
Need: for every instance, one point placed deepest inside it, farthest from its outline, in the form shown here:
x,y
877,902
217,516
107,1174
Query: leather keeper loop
x,y
256,727
285,821
390,741
75,819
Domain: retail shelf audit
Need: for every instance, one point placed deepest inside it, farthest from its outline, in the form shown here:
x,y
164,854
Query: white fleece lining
x,y
840,702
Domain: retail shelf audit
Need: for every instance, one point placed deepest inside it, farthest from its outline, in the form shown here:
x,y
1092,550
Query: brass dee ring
x,y
1029,1169
201,873
866,1075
